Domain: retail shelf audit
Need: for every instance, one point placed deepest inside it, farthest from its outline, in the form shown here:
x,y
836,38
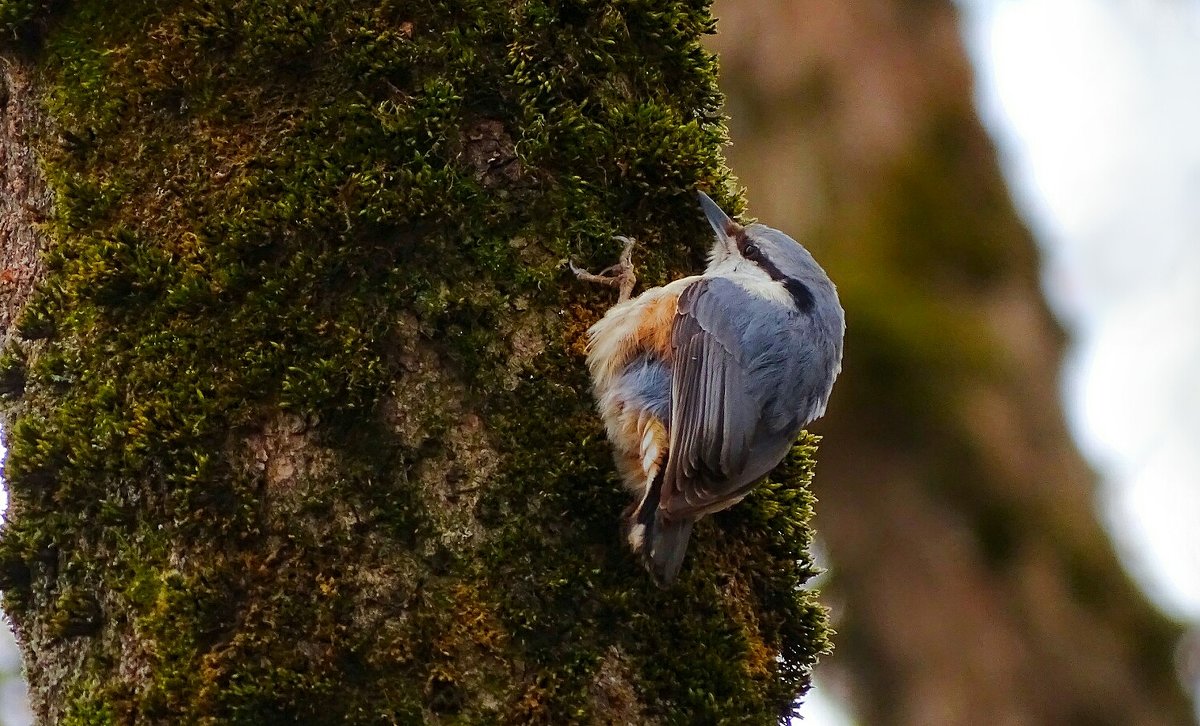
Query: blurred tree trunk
x,y
298,424
972,581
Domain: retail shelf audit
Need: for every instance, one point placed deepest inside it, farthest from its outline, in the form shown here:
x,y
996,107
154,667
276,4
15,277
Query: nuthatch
x,y
705,383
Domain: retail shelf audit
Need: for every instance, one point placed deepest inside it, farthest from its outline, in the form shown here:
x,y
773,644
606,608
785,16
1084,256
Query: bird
x,y
705,383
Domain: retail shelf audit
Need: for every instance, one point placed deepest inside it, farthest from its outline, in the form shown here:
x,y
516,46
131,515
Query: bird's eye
x,y
750,251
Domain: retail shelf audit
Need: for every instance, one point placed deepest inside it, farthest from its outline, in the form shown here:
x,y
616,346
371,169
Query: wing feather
x,y
713,415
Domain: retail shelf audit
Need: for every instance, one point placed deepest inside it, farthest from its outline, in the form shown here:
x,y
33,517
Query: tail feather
x,y
660,542
668,543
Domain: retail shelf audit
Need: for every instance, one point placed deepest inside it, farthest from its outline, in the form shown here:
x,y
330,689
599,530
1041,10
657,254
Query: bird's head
x,y
762,250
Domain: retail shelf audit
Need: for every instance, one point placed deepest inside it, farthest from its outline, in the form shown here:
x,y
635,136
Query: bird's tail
x,y
659,541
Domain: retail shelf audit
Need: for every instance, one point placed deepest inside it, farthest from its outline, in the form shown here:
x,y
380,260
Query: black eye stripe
x,y
800,293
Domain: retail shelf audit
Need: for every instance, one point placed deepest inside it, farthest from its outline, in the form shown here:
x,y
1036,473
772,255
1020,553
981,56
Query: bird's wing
x,y
713,414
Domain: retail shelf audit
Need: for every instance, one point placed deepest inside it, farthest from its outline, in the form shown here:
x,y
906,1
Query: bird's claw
x,y
620,275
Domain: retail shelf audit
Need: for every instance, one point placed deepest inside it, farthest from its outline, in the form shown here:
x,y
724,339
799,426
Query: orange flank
x,y
632,328
650,435
641,326
654,329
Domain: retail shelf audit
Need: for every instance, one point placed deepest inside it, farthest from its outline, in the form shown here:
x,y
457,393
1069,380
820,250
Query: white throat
x,y
749,277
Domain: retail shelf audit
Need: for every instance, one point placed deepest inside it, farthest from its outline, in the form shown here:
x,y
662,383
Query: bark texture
x,y
24,198
300,429
971,580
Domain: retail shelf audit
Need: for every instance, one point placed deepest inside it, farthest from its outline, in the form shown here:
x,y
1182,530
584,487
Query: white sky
x,y
1095,105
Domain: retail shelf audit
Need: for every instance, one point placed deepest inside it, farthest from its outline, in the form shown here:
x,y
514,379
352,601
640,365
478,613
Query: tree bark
x,y
298,423
972,581
24,198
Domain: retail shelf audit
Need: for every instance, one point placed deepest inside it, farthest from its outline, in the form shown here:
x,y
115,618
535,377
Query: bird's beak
x,y
727,230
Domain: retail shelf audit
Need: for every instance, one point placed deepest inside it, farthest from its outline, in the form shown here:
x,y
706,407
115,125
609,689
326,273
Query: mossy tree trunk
x,y
297,419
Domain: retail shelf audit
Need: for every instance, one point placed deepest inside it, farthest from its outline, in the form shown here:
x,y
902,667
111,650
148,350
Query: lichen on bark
x,y
304,430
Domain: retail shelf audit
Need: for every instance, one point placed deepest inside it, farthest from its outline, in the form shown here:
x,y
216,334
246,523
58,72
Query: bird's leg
x,y
620,275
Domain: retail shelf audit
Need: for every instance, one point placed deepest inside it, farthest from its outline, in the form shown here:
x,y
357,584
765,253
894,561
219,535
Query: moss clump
x,y
12,372
269,209
17,15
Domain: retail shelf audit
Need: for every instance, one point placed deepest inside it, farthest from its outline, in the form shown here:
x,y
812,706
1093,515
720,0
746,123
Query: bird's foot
x,y
620,275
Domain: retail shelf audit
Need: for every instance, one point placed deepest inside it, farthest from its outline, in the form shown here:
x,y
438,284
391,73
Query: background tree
x,y
971,580
297,417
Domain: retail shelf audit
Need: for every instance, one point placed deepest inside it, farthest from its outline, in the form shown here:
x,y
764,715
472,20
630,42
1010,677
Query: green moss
x,y
94,709
75,613
12,371
17,15
267,207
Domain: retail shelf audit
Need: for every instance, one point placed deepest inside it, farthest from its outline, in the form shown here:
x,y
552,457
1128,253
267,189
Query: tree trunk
x,y
972,581
297,417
